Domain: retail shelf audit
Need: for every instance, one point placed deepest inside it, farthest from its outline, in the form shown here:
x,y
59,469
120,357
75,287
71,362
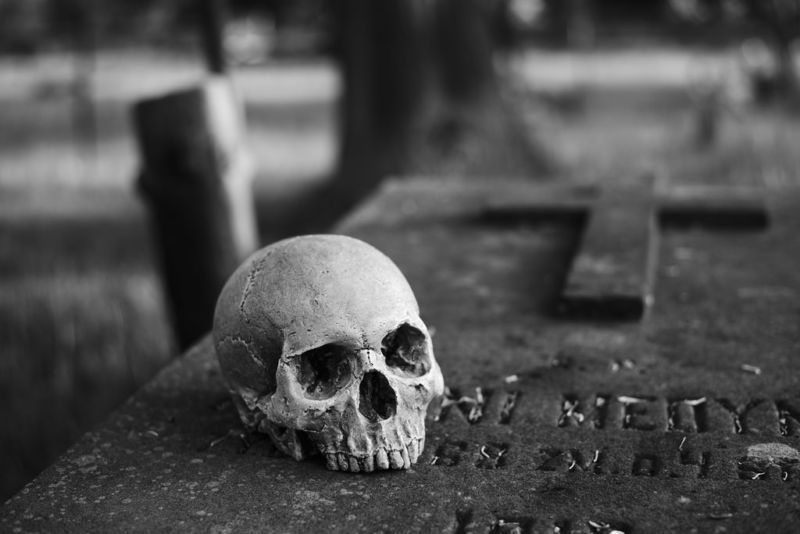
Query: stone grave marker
x,y
196,179
688,420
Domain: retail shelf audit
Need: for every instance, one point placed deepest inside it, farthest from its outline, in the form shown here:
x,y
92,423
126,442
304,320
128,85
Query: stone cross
x,y
612,273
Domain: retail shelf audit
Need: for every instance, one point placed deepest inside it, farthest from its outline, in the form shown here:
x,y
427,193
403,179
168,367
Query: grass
x,y
73,348
83,321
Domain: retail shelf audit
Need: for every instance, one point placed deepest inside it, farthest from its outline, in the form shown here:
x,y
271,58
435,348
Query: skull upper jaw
x,y
401,453
361,445
355,445
353,430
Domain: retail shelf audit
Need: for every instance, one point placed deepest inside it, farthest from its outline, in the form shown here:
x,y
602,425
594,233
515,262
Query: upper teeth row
x,y
382,459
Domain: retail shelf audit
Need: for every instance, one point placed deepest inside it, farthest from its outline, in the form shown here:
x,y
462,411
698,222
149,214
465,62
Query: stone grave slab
x,y
688,421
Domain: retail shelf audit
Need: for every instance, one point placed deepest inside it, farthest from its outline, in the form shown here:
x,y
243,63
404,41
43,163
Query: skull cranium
x,y
320,341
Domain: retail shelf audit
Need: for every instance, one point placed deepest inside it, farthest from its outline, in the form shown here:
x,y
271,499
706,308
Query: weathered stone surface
x,y
659,426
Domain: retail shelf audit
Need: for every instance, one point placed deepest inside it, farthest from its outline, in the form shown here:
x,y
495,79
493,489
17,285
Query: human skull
x,y
320,341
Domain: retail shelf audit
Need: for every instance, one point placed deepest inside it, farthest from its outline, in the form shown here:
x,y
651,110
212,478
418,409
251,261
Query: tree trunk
x,y
465,50
580,24
387,80
420,96
387,75
84,106
212,38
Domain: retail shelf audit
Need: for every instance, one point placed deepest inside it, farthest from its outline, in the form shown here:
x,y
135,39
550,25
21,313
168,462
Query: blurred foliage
x,y
770,56
29,26
781,18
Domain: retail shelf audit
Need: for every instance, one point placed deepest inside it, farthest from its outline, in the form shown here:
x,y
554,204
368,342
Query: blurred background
x,y
337,95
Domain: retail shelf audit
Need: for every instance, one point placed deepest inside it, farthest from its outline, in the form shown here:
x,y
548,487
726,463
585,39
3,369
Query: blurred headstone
x,y
197,178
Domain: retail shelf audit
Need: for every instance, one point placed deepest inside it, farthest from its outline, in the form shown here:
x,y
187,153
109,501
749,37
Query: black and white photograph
x,y
400,266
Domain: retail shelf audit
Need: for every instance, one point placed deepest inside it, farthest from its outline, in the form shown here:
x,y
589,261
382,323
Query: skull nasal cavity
x,y
377,400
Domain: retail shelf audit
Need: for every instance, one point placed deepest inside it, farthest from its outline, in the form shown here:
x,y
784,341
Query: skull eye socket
x,y
405,351
324,371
